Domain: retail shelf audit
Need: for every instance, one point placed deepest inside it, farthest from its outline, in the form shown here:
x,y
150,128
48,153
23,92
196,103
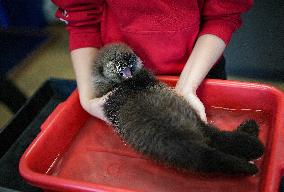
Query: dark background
x,y
257,48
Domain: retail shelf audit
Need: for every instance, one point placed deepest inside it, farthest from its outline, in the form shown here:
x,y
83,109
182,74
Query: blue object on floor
x,y
3,17
28,13
22,22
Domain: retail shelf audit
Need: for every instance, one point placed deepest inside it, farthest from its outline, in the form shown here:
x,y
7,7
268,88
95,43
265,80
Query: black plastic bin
x,y
16,136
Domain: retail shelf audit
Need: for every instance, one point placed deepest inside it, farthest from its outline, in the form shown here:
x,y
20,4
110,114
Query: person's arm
x,y
219,19
83,25
205,53
82,60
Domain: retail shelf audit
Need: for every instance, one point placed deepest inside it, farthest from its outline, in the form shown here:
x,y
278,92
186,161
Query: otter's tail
x,y
177,151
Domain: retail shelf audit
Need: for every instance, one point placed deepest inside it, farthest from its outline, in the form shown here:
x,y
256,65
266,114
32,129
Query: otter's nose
x,y
126,73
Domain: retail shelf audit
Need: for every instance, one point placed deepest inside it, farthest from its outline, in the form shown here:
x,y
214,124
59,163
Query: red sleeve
x,y
222,17
83,21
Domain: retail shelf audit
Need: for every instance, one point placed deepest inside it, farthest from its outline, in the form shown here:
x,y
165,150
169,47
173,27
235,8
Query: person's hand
x,y
95,107
194,102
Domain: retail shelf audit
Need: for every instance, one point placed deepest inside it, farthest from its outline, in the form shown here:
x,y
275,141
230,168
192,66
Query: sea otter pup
x,y
155,121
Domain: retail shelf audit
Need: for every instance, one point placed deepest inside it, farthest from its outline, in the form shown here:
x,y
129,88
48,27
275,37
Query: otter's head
x,y
119,62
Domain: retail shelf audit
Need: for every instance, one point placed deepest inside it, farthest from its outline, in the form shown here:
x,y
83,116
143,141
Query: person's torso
x,y
162,33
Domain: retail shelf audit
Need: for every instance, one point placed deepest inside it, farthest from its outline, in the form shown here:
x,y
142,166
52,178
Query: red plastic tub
x,y
77,152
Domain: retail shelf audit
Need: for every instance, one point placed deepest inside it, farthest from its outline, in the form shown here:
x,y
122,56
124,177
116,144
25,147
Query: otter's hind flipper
x,y
250,127
238,143
177,151
216,161
208,160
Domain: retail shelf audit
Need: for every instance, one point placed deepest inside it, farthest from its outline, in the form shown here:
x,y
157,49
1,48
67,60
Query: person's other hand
x,y
95,107
194,102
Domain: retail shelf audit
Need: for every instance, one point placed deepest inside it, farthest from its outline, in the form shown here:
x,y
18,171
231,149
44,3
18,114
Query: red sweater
x,y
161,32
